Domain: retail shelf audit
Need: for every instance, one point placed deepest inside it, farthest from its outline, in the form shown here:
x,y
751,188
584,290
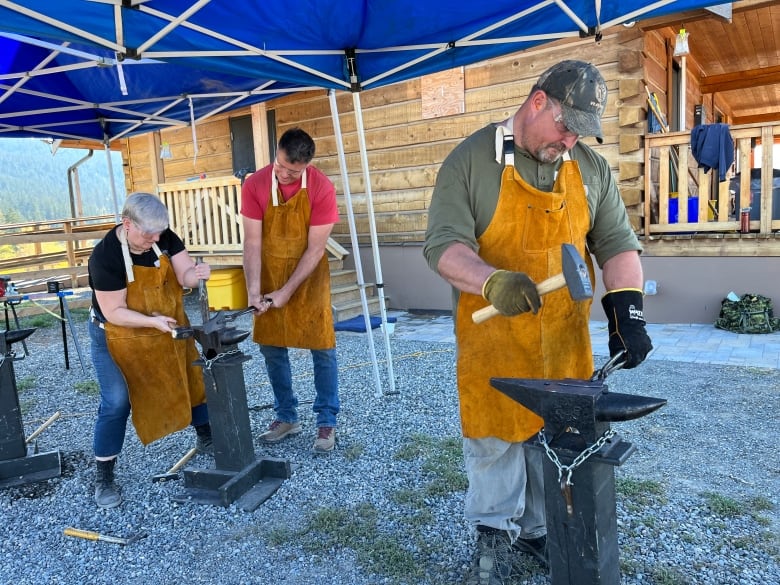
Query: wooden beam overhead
x,y
767,118
90,145
741,79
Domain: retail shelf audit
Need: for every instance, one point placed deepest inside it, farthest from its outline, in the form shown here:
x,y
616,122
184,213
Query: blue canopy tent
x,y
231,53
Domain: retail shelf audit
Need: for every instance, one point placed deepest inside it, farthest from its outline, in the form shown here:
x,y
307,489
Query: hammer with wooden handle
x,y
91,535
173,472
575,277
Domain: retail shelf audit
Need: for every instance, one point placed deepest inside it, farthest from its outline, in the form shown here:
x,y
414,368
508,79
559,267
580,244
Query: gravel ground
x,y
697,501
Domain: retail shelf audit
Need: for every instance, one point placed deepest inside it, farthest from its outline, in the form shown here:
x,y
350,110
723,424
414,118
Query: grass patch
x,y
26,406
353,452
442,462
26,383
665,575
640,492
87,387
724,506
45,320
400,555
358,529
39,321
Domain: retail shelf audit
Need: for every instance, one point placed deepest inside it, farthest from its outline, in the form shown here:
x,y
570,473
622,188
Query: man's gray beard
x,y
543,155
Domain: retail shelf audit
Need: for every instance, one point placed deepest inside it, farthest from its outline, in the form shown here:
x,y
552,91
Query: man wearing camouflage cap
x,y
505,201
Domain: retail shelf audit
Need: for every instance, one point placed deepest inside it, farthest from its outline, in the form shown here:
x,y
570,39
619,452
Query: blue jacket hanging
x,y
713,147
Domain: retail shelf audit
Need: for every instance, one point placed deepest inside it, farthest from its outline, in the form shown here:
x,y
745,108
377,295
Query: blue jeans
x,y
326,384
114,406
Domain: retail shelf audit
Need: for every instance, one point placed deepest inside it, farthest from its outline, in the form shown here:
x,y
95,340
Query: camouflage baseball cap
x,y
582,92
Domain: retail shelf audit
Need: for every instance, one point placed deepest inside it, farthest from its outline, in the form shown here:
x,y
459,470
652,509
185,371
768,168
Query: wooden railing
x,y
206,215
74,237
713,213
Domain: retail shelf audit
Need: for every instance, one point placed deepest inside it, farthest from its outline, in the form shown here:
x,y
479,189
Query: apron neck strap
x,y
275,186
126,254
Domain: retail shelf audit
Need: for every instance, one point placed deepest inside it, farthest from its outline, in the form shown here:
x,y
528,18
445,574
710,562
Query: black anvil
x,y
571,406
579,478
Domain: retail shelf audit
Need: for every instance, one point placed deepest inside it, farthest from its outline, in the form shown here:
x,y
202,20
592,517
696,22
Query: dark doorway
x,y
242,145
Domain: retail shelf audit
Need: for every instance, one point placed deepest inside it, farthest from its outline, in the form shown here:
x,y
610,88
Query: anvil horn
x,y
611,407
14,335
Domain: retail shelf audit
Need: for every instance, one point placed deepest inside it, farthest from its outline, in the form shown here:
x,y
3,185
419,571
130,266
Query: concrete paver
x,y
679,342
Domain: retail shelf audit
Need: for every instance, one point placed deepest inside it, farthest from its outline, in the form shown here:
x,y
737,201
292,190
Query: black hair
x,y
297,145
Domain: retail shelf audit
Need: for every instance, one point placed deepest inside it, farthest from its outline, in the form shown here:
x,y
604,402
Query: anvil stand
x,y
238,476
582,544
19,464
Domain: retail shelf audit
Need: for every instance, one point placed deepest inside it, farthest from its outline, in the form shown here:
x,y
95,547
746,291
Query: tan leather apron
x,y
306,321
161,380
525,235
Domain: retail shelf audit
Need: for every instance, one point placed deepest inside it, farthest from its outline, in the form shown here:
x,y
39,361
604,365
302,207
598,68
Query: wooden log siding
x,y
206,214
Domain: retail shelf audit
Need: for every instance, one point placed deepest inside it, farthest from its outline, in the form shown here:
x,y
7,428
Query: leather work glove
x,y
627,325
511,293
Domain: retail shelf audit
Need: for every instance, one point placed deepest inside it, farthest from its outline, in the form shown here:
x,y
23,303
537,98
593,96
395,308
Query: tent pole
x,y
353,236
380,285
111,182
683,80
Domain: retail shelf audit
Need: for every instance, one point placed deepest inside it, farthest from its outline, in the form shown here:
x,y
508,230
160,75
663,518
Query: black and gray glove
x,y
627,325
511,293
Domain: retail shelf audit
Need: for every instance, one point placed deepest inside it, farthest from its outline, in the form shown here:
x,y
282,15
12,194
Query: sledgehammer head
x,y
576,274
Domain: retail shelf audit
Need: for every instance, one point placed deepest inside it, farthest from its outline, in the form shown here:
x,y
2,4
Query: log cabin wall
x,y
405,150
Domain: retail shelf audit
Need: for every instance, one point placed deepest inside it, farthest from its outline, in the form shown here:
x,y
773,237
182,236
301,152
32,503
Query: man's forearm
x,y
464,269
623,271
252,269
303,270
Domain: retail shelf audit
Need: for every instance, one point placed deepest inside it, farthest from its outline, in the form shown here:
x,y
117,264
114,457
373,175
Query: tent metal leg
x,y
353,238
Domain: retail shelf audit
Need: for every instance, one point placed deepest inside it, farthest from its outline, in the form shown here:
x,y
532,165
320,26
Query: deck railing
x,y
206,214
696,206
70,243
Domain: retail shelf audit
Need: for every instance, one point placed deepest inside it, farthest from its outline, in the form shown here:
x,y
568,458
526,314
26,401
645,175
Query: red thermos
x,y
744,220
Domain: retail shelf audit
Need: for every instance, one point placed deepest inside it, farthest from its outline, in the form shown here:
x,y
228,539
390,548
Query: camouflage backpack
x,y
750,314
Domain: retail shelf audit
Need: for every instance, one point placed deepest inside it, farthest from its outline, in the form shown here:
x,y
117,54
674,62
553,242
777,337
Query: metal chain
x,y
579,459
219,356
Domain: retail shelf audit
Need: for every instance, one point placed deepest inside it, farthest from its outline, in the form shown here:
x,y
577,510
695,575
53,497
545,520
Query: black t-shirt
x,y
107,267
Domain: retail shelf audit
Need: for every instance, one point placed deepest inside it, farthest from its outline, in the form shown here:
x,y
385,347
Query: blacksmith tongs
x,y
615,363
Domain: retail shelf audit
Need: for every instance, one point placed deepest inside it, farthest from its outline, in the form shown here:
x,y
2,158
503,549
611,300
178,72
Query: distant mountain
x,y
34,183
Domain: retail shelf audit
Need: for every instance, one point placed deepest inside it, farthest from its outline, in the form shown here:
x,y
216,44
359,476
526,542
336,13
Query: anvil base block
x,y
248,487
29,469
583,546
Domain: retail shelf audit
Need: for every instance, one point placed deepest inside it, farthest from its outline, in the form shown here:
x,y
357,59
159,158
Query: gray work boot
x,y
204,443
106,492
493,559
535,548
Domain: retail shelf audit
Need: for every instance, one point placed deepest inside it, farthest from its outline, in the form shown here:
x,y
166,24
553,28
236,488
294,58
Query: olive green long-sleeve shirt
x,y
467,187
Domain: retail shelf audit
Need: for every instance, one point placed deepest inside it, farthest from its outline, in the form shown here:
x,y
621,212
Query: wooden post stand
x,y
19,464
579,478
239,476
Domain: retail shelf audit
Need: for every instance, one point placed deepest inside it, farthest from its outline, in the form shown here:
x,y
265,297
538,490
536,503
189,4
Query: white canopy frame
x,y
356,253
